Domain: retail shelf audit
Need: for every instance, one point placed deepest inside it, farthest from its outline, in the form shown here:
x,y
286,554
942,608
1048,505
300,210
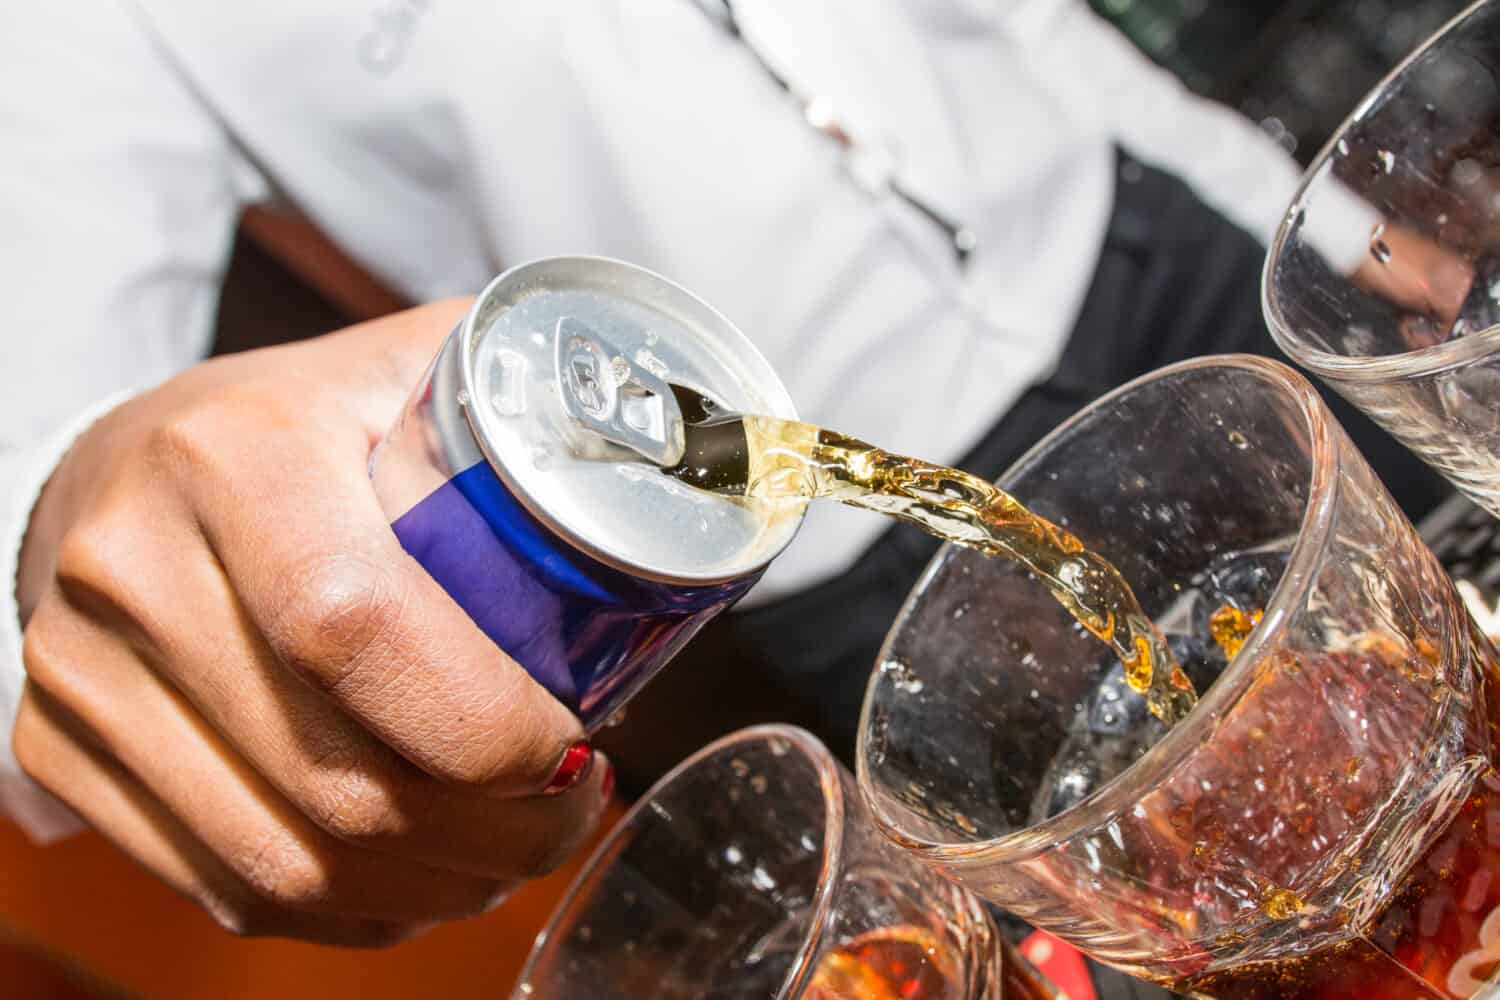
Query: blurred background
x,y
1295,67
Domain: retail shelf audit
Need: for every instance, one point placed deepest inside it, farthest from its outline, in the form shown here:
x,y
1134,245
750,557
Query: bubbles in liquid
x,y
1280,904
1231,627
1239,440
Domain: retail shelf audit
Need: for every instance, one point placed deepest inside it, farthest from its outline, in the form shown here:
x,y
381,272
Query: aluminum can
x,y
524,474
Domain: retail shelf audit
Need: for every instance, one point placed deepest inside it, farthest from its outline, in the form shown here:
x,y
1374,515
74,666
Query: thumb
x,y
383,361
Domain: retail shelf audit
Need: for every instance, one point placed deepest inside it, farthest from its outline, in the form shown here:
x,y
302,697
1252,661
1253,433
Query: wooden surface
x,y
78,919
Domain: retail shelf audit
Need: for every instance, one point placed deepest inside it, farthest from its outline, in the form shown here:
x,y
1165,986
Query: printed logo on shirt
x,y
386,40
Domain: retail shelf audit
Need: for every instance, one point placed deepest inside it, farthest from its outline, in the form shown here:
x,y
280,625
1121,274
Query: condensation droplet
x,y
733,854
1239,440
652,363
1379,248
619,370
902,677
508,379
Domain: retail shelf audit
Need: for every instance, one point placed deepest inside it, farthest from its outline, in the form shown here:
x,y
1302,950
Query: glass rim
x,y
605,853
1314,534
1421,363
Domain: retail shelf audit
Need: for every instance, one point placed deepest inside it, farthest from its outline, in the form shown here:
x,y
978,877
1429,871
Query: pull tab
x,y
618,401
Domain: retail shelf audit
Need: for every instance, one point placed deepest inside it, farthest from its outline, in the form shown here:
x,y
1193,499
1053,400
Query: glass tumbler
x,y
1326,821
1384,278
752,870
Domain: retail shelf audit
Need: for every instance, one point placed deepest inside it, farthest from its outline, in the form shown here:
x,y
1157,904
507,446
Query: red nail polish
x,y
576,762
607,786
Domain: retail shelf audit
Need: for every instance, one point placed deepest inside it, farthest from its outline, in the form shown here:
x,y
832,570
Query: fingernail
x,y
576,762
607,786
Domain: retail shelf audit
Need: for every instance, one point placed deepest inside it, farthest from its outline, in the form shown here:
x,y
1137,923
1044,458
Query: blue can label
x,y
589,633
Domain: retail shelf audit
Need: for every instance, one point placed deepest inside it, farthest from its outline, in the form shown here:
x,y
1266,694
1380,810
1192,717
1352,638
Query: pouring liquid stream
x,y
769,459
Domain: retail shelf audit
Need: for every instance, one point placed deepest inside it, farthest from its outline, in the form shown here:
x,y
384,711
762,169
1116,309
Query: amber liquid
x,y
908,963
1438,936
795,460
894,963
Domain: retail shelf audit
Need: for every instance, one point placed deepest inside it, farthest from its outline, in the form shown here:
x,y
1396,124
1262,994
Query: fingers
x,y
320,575
335,773
264,840
117,805
321,767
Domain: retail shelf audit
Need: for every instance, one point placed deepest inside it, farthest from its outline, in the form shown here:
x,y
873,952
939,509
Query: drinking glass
x,y
752,871
1384,278
1326,821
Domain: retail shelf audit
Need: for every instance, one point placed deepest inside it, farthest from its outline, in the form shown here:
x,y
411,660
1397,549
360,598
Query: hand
x,y
1418,275
237,674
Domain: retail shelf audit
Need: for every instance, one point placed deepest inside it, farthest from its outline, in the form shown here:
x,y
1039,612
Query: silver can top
x,y
565,360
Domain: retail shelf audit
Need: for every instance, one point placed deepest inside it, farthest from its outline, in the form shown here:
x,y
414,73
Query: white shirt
x,y
439,142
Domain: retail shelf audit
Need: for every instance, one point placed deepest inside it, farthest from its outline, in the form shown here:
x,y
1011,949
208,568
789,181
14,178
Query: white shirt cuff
x,y
23,474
